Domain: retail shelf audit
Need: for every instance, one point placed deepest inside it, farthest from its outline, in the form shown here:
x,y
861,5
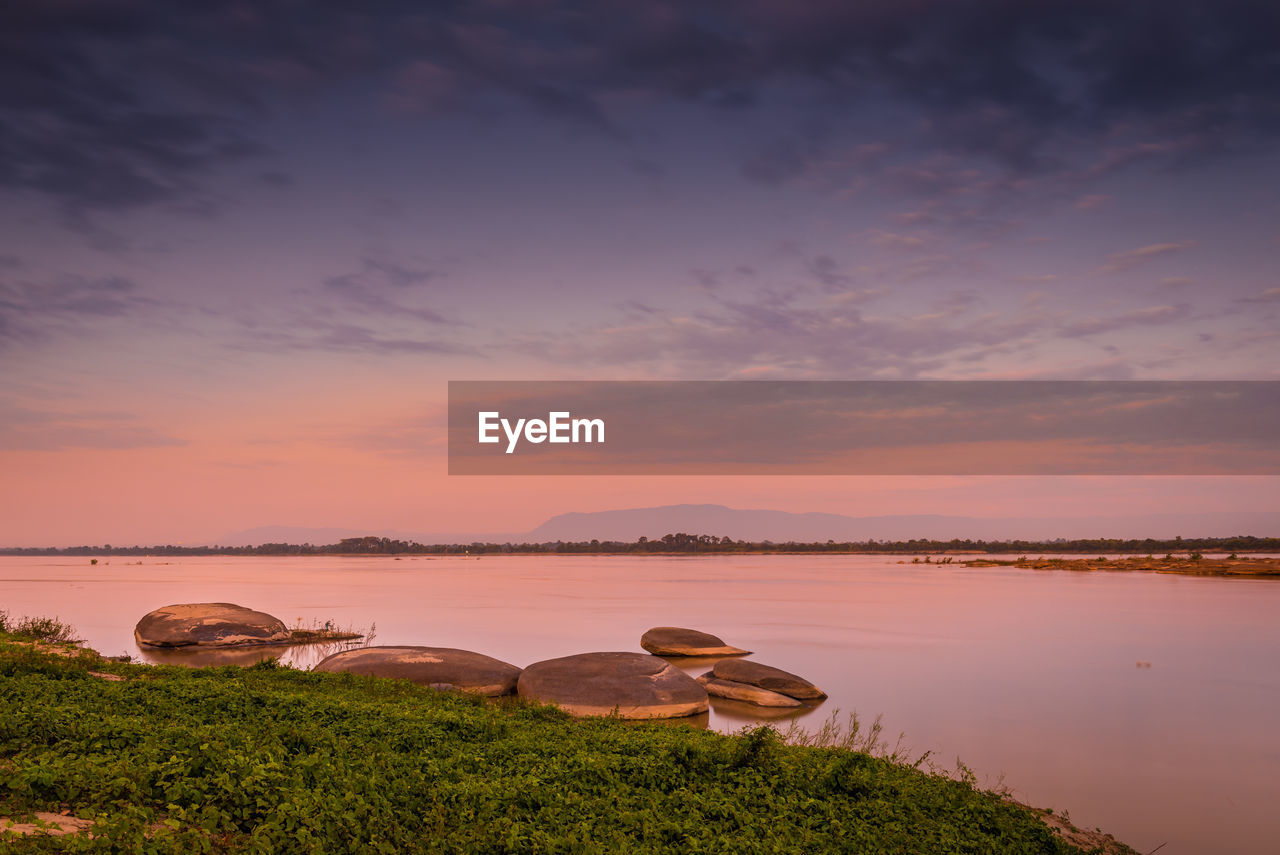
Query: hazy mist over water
x,y
1029,676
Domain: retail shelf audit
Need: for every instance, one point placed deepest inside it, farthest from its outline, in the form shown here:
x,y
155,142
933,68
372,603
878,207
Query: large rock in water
x,y
209,625
678,641
744,692
438,667
766,677
635,685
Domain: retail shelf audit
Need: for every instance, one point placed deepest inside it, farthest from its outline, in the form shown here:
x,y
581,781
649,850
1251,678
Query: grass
x,y
328,631
46,629
270,759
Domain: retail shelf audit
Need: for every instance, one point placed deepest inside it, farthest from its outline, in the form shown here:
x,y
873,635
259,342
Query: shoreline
x,y
69,657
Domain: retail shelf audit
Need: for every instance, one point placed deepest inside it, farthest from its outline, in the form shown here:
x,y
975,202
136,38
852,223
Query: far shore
x,y
1187,566
682,544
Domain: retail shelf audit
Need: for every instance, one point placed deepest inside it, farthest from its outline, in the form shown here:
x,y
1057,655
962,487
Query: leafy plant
x,y
269,759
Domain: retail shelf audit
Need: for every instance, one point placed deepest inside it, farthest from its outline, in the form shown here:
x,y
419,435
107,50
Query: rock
x,y
438,667
209,625
773,679
51,824
636,685
743,692
677,641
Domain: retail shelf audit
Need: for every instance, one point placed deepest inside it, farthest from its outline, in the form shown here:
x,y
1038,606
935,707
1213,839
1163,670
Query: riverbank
x,y
1188,565
273,759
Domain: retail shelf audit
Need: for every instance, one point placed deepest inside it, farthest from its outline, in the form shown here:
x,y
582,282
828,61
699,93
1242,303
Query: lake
x,y
1031,678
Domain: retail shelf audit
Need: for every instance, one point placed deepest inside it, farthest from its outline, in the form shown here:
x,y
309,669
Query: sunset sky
x,y
243,247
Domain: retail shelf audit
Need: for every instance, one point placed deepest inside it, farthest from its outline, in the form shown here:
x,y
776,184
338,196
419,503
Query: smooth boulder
x,y
437,667
766,677
631,684
718,688
209,625
678,641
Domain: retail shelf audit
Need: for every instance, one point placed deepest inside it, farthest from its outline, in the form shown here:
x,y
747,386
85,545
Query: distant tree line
x,y
682,543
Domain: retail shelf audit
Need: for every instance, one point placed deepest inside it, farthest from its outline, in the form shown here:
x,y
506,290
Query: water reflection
x,y
740,714
205,657
701,721
301,656
735,715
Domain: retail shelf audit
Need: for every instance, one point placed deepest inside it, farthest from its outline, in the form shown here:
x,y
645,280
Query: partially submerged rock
x,y
438,667
209,625
632,684
743,692
678,641
766,677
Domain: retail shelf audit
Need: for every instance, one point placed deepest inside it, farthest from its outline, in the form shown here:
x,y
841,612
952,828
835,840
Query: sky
x,y
244,247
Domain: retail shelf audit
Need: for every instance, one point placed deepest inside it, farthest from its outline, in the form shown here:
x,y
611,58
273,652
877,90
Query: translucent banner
x,y
864,427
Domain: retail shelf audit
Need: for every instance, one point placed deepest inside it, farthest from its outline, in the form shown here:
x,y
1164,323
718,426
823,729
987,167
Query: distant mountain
x,y
783,526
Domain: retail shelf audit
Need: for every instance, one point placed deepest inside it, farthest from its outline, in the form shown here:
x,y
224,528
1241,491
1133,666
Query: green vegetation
x,y
45,629
681,543
267,759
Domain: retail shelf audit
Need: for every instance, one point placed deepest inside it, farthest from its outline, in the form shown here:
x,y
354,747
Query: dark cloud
x,y
131,103
33,310
365,290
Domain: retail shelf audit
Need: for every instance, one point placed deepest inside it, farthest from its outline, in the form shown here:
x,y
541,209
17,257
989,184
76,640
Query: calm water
x,y
1028,677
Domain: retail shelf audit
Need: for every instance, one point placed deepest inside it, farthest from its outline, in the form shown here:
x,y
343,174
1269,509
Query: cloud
x,y
119,106
779,331
893,240
340,337
365,290
1149,316
35,310
809,331
1271,295
373,271
23,429
1120,261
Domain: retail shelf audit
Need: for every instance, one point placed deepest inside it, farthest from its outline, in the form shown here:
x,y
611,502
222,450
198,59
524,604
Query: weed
x,y
47,629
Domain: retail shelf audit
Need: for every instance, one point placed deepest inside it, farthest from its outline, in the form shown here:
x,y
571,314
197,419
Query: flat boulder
x,y
209,625
632,684
437,667
766,677
718,688
678,641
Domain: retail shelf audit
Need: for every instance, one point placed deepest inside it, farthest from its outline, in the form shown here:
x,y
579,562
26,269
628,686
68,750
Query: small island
x,y
1193,564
